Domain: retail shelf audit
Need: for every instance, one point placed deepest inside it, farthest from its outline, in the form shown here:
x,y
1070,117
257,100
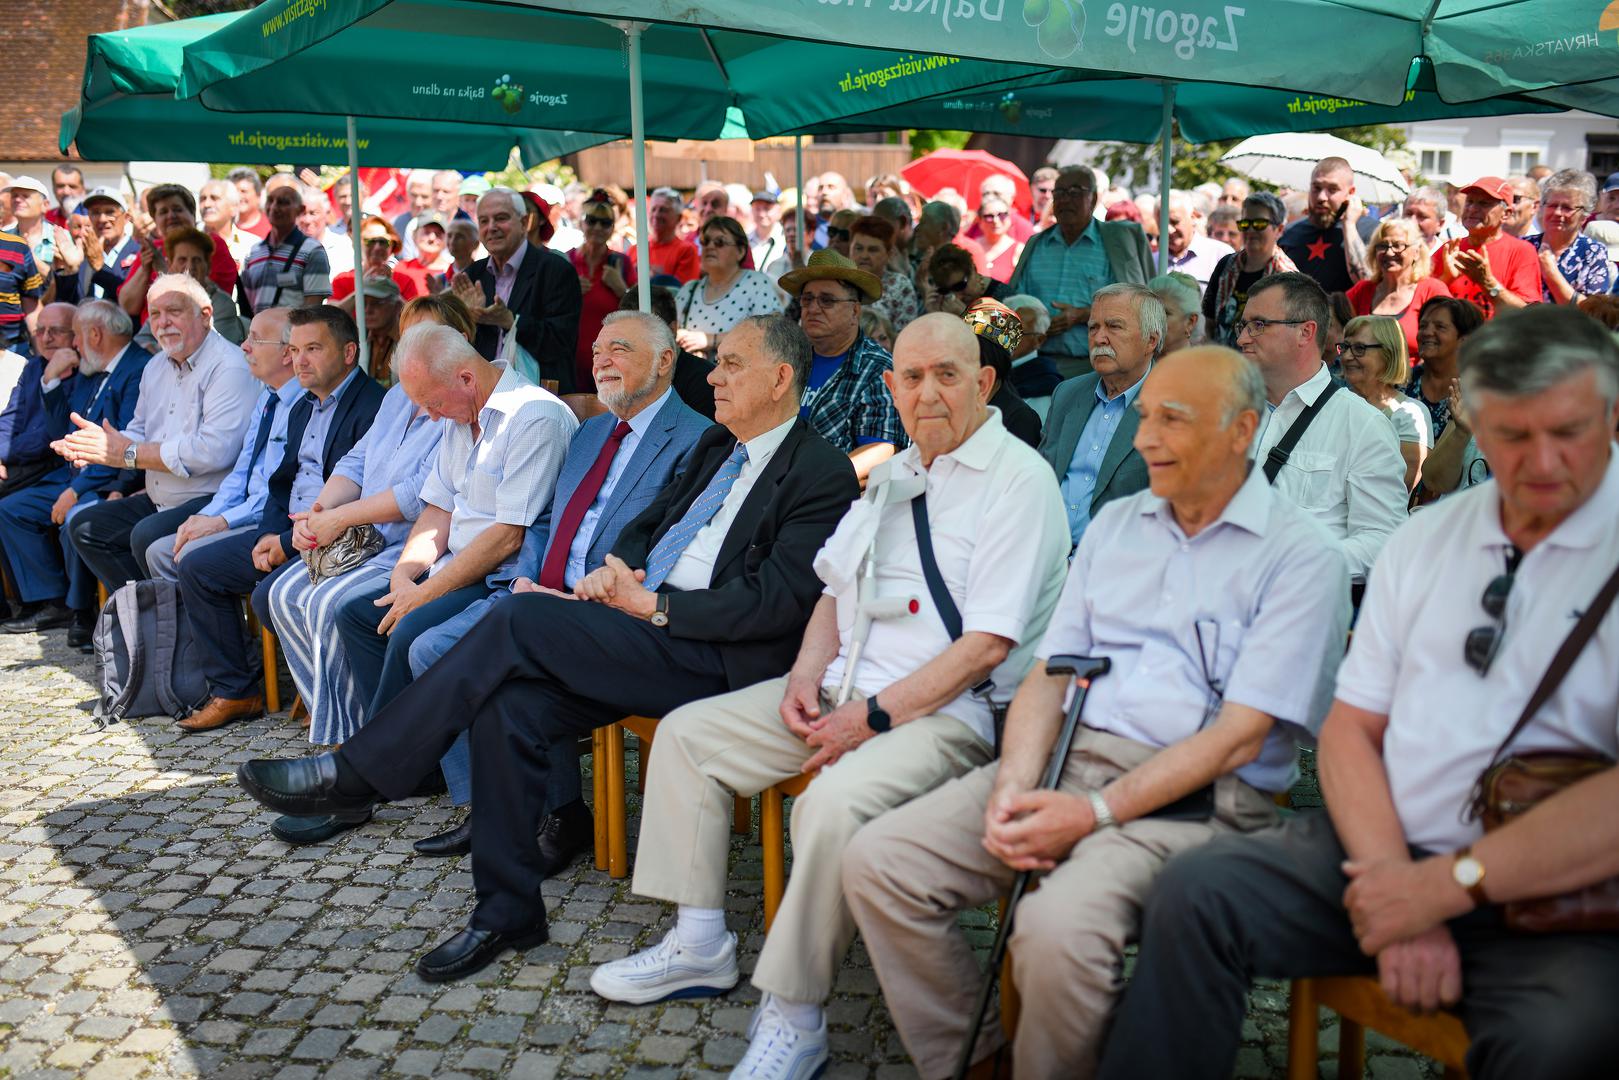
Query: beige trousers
x,y
907,874
737,743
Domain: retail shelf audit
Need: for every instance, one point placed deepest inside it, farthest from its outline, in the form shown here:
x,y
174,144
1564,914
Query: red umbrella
x,y
964,170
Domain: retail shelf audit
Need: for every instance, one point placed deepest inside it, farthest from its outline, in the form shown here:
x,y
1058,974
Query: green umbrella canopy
x,y
1130,110
1357,49
493,63
127,110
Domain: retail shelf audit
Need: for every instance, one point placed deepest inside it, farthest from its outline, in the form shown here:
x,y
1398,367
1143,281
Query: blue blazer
x,y
115,405
355,411
660,454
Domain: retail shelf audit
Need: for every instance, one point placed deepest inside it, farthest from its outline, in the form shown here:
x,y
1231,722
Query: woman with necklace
x,y
725,293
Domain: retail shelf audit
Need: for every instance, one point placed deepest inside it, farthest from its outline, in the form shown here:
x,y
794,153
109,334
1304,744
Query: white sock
x,y
700,929
803,1015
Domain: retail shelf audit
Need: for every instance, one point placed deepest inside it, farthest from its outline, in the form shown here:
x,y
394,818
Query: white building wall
x,y
1484,146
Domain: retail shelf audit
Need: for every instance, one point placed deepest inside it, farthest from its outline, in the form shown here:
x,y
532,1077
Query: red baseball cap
x,y
1494,187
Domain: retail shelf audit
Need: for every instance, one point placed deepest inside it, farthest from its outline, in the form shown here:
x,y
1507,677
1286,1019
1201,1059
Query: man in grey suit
x,y
1066,265
1091,428
617,464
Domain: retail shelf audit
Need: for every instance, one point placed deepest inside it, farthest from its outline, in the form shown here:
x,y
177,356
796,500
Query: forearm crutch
x,y
1083,669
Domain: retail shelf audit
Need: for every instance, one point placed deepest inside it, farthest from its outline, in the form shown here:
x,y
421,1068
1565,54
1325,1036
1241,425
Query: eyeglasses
x,y
1255,224
827,303
251,340
718,242
604,222
1357,349
1256,327
1562,208
1484,642
1391,247
838,234
1072,192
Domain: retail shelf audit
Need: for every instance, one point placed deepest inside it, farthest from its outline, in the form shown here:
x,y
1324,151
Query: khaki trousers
x,y
908,873
737,743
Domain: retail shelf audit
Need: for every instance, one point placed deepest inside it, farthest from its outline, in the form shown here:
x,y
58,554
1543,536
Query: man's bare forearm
x,y
966,663
1355,785
820,645
1032,724
474,562
429,538
1567,842
1232,741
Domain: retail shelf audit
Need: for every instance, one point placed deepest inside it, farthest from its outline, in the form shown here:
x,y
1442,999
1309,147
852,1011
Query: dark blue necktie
x,y
265,423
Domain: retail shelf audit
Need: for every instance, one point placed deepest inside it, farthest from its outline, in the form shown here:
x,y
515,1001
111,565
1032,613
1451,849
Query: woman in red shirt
x,y
379,243
604,277
1399,282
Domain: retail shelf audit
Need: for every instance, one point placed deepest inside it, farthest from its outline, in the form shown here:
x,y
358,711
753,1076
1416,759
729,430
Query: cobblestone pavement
x,y
151,926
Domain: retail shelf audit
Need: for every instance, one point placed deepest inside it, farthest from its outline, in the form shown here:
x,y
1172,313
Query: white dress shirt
x,y
1258,601
1001,541
1346,470
1444,719
509,472
1200,258
695,567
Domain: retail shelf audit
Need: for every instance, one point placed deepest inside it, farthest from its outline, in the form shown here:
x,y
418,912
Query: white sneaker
x,y
780,1051
667,970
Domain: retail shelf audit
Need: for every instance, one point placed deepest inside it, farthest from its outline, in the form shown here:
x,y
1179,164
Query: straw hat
x,y
828,265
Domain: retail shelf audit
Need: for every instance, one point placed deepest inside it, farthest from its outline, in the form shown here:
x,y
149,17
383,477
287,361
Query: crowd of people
x,y
847,509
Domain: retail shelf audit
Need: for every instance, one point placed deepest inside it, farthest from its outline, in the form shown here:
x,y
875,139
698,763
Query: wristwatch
x,y
1494,291
660,615
129,455
877,717
1468,872
1103,813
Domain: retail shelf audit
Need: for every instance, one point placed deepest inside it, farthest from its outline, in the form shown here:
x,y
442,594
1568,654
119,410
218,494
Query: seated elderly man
x,y
1399,877
844,400
195,407
970,500
1212,596
617,464
334,412
1091,428
708,590
99,380
239,503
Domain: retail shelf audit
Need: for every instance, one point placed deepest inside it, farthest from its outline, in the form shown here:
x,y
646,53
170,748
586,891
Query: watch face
x,y
1468,872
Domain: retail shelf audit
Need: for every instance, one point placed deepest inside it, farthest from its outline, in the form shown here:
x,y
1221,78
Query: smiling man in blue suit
x,y
617,463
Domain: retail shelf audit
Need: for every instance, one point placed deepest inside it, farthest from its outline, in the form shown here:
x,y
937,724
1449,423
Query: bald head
x,y
1199,408
939,388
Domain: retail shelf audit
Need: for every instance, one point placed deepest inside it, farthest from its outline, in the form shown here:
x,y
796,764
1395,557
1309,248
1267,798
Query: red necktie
x,y
562,534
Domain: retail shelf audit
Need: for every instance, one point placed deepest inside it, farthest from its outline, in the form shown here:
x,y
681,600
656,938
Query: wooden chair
x,y
773,839
267,647
584,406
612,809
1360,1003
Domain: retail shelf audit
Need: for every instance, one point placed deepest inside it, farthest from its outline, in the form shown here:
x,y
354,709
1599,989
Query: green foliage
x,y
517,178
1199,163
927,140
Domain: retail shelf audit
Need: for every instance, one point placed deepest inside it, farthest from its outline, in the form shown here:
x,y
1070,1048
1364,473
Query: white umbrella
x,y
1286,159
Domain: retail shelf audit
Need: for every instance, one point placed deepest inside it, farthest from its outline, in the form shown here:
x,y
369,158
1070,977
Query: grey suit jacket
x,y
1122,471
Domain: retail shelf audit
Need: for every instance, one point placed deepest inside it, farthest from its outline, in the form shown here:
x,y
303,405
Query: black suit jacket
x,y
763,589
546,300
355,411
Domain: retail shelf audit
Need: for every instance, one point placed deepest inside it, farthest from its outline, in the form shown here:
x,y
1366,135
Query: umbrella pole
x,y
355,212
643,223
1166,144
798,210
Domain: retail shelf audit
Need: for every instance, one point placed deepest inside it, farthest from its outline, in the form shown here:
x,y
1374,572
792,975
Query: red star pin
x,y
1318,250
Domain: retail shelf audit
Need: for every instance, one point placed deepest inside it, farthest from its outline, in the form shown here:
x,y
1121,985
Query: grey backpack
x,y
146,656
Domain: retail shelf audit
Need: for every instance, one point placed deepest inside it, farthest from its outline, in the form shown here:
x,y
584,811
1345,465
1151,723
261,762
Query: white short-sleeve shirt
x,y
1000,538
1258,601
1444,719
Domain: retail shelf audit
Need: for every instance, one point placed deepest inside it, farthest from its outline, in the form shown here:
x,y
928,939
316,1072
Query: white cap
x,y
111,195
28,183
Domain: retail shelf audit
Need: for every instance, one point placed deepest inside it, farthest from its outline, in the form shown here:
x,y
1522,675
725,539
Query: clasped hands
x,y
612,583
1398,909
1034,829
832,735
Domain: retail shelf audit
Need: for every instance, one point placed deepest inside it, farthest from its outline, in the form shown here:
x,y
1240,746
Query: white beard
x,y
90,364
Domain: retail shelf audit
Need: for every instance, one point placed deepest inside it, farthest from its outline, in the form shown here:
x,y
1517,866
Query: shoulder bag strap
x,y
295,241
949,613
1284,448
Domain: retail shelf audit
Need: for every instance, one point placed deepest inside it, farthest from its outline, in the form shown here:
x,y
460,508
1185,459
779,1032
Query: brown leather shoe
x,y
221,711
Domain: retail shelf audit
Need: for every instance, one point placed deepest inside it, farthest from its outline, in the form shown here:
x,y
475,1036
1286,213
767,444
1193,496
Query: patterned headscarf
x,y
994,320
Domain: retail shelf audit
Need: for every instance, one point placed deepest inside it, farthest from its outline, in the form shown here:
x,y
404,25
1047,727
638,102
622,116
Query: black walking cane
x,y
1083,669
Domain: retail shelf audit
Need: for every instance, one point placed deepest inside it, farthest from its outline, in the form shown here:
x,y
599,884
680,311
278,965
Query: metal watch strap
x,y
1103,813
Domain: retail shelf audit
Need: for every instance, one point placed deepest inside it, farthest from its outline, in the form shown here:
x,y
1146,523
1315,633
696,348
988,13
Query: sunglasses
x,y
1484,642
604,222
1075,192
369,240
954,287
1255,224
1002,216
839,234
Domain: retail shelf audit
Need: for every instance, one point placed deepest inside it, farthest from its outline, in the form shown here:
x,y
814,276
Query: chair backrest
x,y
584,406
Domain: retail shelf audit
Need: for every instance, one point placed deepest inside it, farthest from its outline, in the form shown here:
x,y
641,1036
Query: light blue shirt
x,y
240,498
1057,271
587,525
310,477
1079,483
395,454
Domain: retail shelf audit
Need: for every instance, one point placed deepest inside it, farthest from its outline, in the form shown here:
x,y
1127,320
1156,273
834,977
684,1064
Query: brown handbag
x,y
1513,786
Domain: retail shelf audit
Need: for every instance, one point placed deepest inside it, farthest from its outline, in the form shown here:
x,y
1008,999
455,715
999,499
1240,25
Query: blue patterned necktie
x,y
667,551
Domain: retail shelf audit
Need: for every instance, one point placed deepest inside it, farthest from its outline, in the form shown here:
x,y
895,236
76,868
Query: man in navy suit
x,y
100,380
617,464
324,425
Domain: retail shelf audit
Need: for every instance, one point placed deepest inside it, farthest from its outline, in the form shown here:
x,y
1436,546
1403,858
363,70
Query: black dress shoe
x,y
47,617
302,787
457,841
79,637
472,950
566,833
315,830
